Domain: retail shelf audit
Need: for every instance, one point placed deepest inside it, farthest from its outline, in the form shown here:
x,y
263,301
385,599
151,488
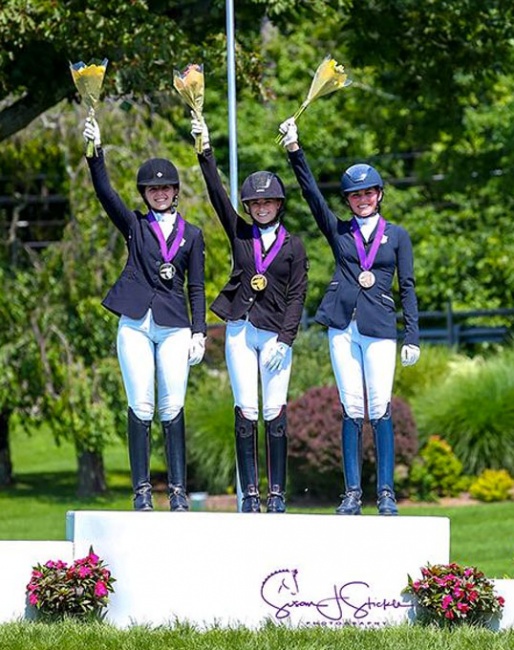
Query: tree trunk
x,y
6,477
91,474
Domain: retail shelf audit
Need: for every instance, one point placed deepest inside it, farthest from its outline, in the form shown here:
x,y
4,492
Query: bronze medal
x,y
258,282
167,271
366,279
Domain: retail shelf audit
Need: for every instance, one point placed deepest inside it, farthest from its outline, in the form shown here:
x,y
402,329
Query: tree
x,y
144,41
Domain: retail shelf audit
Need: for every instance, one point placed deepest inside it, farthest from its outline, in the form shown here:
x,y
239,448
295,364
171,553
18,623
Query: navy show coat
x,y
139,287
279,307
375,309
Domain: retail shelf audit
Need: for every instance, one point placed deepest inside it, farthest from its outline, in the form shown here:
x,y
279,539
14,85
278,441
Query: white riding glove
x,y
199,129
196,348
91,132
276,356
289,131
409,355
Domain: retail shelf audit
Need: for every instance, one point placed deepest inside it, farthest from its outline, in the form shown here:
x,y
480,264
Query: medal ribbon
x,y
366,261
167,253
262,264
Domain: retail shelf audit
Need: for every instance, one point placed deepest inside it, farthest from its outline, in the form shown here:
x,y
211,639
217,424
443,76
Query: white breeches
x,y
363,366
146,352
246,348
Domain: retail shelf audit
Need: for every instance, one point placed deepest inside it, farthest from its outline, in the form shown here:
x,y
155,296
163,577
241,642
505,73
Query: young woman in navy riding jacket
x,y
360,312
160,299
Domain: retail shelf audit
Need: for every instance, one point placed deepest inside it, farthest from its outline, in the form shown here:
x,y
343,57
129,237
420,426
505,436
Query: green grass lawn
x,y
45,490
71,636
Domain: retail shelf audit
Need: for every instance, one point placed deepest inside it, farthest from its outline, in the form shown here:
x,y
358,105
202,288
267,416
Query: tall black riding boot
x,y
175,448
139,456
351,441
276,461
246,453
384,445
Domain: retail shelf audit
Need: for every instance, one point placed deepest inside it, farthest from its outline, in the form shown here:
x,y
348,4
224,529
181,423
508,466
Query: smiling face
x,y
264,211
364,203
160,197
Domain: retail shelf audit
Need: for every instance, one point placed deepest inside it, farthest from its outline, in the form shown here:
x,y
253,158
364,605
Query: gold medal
x,y
366,279
167,271
258,282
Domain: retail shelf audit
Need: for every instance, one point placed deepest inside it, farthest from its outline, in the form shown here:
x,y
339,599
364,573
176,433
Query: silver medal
x,y
167,271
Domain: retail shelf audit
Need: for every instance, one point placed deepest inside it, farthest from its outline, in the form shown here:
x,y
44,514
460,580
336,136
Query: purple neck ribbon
x,y
262,263
366,261
167,253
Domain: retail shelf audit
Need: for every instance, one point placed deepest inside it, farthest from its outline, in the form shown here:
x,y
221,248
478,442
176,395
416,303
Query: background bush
x,y
472,408
492,485
436,473
315,421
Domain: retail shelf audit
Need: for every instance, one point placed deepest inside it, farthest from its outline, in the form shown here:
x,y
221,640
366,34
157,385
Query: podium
x,y
233,569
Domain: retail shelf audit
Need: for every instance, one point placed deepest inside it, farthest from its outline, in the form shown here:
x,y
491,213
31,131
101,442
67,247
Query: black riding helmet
x,y
263,185
156,171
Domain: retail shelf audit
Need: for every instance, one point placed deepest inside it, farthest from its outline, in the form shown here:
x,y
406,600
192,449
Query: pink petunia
x,y
463,607
33,599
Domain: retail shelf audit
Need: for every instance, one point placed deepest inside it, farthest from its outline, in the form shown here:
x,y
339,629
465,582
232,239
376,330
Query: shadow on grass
x,y
60,488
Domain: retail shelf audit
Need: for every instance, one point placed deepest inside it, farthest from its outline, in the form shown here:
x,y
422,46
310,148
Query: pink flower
x,y
33,599
93,558
100,589
463,607
472,595
449,614
501,601
446,602
84,571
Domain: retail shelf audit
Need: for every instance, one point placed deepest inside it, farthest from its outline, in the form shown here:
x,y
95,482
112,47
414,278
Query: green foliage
x,y
210,434
437,472
311,362
448,595
472,408
492,485
436,361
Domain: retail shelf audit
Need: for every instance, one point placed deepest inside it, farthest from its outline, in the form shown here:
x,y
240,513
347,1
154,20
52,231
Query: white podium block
x,y
241,569
16,562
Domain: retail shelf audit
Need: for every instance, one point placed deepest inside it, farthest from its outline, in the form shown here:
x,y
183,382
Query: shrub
x,y
473,408
437,472
450,594
57,590
210,434
492,485
315,421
